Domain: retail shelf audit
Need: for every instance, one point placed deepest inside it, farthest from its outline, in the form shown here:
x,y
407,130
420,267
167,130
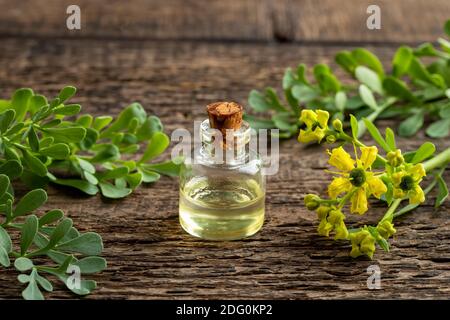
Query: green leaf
x,y
326,80
445,111
369,78
114,173
19,102
5,240
30,202
426,49
442,193
112,191
258,123
346,61
85,120
68,110
50,217
66,93
101,122
401,61
89,139
439,129
4,258
149,176
59,232
86,165
4,184
58,151
134,110
418,71
106,152
89,265
390,138
44,283
67,135
6,118
397,88
29,230
367,96
411,125
354,126
36,102
89,243
32,291
258,101
283,120
167,168
304,93
447,27
365,57
14,129
159,142
33,139
11,168
82,185
34,164
376,134
134,180
425,151
151,125
23,264
340,100
273,100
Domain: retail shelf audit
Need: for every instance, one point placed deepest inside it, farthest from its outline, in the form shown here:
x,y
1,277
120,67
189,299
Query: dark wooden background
x,y
176,56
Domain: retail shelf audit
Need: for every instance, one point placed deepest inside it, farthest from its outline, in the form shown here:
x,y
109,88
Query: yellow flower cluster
x,y
331,219
354,182
356,177
316,125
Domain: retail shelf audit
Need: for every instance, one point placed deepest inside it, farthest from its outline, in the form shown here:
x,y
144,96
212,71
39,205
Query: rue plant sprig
x,y
50,237
392,178
45,141
413,91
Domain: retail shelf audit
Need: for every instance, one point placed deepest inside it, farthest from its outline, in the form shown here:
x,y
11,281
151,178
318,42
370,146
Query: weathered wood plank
x,y
286,20
149,255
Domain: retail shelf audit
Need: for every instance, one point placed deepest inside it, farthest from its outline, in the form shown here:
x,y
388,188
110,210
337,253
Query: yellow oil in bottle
x,y
221,209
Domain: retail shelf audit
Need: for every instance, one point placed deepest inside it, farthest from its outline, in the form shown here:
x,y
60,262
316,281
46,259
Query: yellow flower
x,y
406,183
363,243
386,229
331,219
316,123
356,177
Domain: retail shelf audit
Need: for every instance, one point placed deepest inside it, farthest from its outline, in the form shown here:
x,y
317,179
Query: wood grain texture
x,y
248,20
149,256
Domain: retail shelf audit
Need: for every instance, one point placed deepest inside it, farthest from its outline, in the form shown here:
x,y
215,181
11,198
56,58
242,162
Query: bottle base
x,y
220,232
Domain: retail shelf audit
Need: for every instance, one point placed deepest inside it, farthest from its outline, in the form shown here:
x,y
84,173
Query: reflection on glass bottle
x,y
221,196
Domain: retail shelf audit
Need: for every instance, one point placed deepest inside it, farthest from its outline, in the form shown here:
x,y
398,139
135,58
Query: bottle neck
x,y
228,148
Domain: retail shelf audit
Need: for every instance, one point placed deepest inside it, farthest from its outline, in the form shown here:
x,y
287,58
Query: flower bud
x,y
337,124
395,158
331,139
312,201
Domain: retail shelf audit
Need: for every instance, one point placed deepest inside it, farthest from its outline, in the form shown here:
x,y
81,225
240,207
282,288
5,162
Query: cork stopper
x,y
225,115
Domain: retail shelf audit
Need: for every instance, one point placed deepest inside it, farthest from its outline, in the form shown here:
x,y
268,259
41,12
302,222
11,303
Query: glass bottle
x,y
221,196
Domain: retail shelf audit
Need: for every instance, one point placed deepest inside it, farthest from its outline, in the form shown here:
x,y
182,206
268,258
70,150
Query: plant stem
x,y
374,115
390,212
442,159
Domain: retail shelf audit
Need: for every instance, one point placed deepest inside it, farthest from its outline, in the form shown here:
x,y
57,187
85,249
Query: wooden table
x,y
174,57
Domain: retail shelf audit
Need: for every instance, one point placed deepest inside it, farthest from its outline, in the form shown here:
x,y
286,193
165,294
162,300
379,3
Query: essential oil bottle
x,y
222,188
